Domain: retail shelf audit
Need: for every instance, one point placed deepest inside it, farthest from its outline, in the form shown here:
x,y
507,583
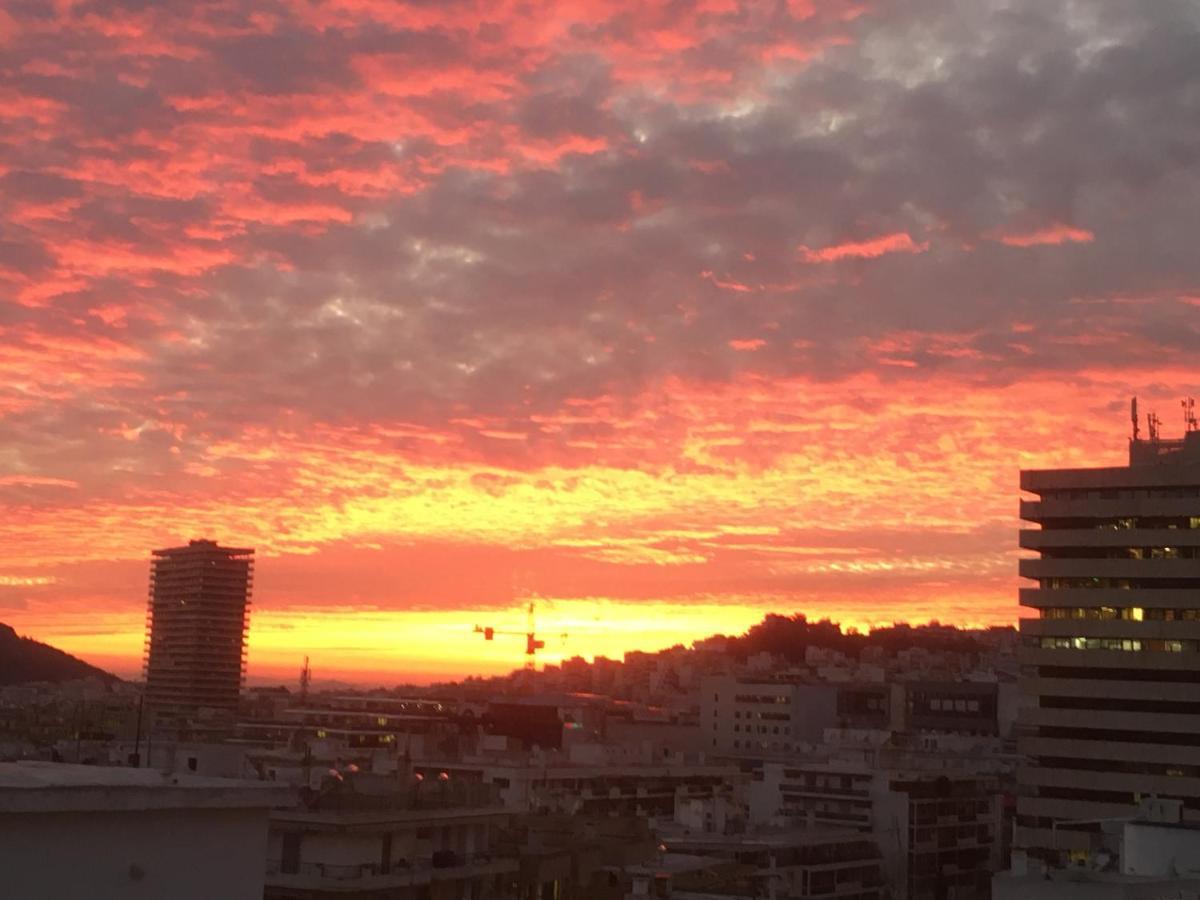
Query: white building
x,y
72,832
1158,862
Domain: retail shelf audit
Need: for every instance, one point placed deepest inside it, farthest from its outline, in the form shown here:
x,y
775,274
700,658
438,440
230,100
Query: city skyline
x,y
667,316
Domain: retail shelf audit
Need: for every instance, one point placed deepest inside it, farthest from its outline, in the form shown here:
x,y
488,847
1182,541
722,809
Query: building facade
x,y
196,629
369,837
745,717
937,830
70,832
1111,662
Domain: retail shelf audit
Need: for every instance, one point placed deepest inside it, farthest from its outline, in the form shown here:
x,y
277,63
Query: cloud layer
x,y
742,304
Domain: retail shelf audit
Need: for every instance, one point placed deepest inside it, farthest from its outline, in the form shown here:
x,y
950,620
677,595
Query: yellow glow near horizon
x,y
371,559
393,647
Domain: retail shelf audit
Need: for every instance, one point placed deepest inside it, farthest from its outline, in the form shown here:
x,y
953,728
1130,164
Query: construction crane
x,y
532,642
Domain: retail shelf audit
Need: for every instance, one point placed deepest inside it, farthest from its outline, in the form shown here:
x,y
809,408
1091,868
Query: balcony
x,y
1116,538
370,876
1110,568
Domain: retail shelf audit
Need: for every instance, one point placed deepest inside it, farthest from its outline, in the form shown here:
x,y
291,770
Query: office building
x,y
196,629
1111,663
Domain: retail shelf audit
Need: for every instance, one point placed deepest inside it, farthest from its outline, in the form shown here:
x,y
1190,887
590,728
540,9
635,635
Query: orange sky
x,y
666,314
882,510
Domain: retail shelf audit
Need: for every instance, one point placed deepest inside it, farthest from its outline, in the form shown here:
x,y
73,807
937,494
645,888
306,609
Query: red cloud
x,y
1057,233
896,242
748,344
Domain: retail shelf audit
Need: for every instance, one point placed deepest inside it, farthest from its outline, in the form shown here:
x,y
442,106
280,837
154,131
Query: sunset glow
x,y
666,315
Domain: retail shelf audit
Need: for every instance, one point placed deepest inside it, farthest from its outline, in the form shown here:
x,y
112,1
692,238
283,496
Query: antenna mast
x,y
1189,414
305,680
1133,416
1153,422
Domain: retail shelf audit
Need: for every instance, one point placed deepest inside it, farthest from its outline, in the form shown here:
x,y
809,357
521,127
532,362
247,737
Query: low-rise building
x,y
937,830
365,836
798,865
742,717
1156,861
557,785
72,832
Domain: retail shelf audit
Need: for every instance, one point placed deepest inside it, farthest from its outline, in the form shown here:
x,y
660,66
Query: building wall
x,y
745,717
933,831
188,854
1160,851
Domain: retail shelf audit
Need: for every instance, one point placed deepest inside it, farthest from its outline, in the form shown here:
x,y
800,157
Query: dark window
x,y
289,862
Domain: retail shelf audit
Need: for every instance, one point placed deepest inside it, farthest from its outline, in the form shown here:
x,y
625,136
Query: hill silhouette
x,y
24,659
789,636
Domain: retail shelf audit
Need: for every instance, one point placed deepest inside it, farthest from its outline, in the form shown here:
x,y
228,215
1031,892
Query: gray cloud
x,y
472,271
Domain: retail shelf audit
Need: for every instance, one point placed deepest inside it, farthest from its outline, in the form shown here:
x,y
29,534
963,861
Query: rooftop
x,y
35,786
781,839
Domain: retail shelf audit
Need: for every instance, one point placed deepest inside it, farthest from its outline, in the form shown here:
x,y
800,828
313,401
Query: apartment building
x,y
937,830
949,707
650,791
800,865
75,832
196,630
744,717
368,836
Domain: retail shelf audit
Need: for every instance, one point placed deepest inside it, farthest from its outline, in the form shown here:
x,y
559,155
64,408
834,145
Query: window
x,y
289,862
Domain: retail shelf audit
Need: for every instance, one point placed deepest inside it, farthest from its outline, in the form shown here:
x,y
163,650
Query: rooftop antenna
x,y
1189,414
305,680
1134,417
1152,425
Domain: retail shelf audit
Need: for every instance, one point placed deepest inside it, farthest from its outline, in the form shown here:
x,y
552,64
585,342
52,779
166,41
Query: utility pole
x,y
137,739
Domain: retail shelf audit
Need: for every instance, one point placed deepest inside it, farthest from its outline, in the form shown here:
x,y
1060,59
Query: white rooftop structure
x,y
71,832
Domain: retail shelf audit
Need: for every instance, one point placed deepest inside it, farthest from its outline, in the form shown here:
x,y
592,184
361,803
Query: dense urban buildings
x,y
1112,662
796,761
196,630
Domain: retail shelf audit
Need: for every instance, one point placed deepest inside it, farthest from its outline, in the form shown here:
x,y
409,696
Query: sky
x,y
663,314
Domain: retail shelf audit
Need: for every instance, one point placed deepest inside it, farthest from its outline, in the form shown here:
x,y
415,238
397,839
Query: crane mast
x,y
532,642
